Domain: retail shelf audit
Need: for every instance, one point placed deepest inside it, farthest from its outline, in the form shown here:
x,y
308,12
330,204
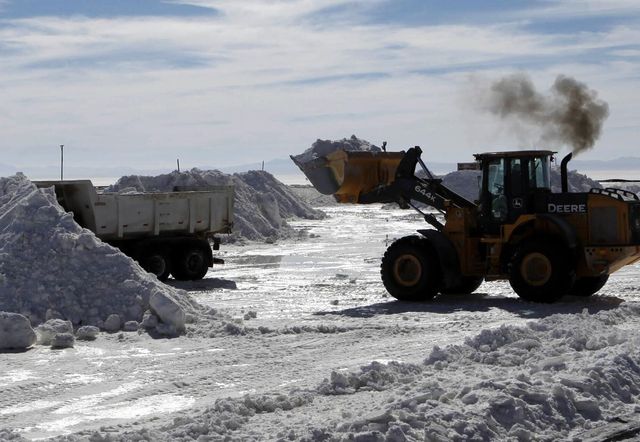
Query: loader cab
x,y
509,182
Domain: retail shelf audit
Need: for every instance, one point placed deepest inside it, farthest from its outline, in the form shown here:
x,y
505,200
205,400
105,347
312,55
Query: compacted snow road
x,y
303,307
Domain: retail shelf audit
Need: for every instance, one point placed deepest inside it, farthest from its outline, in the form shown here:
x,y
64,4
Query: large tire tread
x,y
189,261
427,284
561,276
588,286
156,261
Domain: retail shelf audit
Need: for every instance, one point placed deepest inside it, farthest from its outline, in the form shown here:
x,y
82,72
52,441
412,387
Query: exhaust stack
x,y
563,173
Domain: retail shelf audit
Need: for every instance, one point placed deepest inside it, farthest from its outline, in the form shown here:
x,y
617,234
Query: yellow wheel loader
x,y
546,244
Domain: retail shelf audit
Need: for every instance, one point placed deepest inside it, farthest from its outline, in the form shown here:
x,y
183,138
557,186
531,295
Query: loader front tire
x,y
410,269
588,286
540,271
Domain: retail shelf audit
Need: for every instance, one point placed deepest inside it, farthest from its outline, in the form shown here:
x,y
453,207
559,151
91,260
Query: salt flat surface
x,y
320,352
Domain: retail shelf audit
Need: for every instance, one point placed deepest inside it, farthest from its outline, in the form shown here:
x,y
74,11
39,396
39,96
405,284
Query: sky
x,y
138,84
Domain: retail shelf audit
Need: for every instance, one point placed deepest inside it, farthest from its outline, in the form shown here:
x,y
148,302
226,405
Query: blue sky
x,y
136,84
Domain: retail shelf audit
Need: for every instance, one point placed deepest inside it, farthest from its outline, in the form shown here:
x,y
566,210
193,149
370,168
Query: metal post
x,y
62,162
178,161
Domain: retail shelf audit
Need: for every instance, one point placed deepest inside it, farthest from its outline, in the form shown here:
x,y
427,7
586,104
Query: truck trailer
x,y
167,233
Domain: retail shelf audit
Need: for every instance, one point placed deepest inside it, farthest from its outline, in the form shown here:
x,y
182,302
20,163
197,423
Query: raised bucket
x,y
346,175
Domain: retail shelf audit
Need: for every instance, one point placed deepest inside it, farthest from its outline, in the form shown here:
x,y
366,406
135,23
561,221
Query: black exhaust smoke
x,y
570,115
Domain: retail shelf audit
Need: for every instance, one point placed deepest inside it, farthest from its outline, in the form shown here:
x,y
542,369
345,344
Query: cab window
x,y
495,186
516,177
539,173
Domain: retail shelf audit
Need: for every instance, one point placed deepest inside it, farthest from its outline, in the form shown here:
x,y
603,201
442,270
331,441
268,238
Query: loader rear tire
x,y
588,286
540,271
465,286
410,269
190,262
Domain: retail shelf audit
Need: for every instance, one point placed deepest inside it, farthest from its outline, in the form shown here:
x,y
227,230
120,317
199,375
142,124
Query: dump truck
x,y
545,244
168,233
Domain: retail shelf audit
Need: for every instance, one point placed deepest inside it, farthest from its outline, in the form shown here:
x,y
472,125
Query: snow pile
x,y
15,332
87,333
167,311
466,182
312,197
559,378
52,268
375,376
578,182
262,203
321,148
63,340
50,329
552,379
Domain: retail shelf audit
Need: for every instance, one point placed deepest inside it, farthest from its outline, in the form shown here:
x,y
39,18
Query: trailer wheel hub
x,y
156,265
407,270
536,269
194,261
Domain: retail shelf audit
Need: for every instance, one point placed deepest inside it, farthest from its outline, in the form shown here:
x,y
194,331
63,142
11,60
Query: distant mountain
x,y
284,166
275,167
624,163
70,172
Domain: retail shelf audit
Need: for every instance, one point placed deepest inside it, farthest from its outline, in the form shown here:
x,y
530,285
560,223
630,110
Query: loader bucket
x,y
348,174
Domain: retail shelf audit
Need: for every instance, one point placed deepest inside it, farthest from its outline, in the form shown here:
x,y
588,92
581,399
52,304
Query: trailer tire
x,y
410,269
540,271
190,262
466,286
588,286
156,262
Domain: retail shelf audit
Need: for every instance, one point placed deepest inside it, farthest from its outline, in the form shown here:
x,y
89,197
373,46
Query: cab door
x,y
493,200
516,188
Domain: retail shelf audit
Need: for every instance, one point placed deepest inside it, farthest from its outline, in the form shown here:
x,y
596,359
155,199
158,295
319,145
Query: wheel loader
x,y
545,244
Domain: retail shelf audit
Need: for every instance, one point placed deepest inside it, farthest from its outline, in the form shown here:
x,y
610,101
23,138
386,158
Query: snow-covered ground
x,y
318,351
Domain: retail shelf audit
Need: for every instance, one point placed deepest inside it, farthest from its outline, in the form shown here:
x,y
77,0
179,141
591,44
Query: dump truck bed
x,y
117,216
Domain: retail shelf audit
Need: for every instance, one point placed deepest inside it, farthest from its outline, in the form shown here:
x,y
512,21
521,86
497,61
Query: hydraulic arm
x,y
407,187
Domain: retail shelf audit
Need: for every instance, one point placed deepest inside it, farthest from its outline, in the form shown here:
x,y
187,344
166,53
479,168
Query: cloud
x,y
279,10
560,9
143,89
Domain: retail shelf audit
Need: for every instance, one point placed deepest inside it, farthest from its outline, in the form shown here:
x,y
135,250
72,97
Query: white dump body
x,y
117,216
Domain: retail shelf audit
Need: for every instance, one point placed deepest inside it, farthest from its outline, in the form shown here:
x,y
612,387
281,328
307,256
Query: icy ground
x,y
319,352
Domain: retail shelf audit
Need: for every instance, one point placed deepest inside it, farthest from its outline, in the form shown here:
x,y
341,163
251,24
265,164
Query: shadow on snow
x,y
479,302
202,284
